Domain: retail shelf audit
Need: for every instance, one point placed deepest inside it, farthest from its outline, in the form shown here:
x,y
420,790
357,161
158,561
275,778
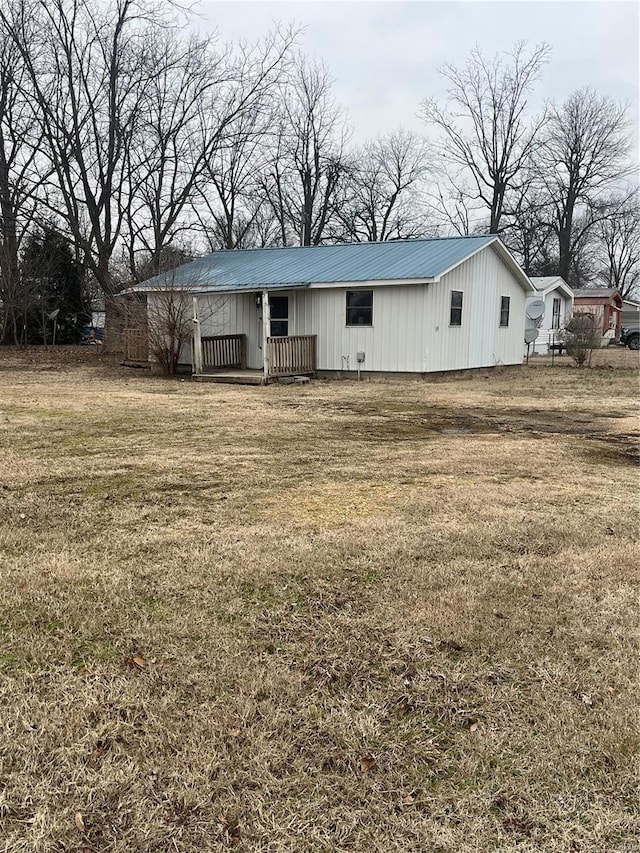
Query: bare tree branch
x,y
485,130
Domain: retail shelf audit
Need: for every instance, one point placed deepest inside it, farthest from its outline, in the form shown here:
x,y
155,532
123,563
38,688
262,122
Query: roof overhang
x,y
378,282
558,285
209,290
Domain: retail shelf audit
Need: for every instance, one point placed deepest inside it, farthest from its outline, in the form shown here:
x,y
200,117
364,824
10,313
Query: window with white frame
x,y
455,317
505,304
359,307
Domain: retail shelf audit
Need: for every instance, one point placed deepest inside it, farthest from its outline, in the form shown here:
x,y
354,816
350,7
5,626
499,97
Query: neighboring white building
x,y
630,313
407,306
558,308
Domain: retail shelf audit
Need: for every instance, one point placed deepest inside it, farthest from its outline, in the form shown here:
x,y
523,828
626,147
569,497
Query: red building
x,y
606,306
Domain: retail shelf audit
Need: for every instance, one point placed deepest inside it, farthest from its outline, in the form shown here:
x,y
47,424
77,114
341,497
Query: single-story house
x,y
605,304
558,307
405,306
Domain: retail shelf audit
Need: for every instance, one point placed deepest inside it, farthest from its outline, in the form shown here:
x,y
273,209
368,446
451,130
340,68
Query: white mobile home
x,y
407,306
558,308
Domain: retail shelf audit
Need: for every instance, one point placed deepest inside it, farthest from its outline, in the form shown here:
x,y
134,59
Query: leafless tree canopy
x,y
23,173
307,165
486,135
584,152
382,198
139,142
619,238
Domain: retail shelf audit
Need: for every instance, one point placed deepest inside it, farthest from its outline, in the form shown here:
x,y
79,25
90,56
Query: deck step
x,y
238,378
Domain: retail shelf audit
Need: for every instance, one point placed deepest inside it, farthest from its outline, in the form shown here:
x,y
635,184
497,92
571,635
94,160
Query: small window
x,y
555,320
505,301
359,307
456,308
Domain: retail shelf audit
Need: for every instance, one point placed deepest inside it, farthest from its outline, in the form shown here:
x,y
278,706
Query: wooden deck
x,y
288,358
233,377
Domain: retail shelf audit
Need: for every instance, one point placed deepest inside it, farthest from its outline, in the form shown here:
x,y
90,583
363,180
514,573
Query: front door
x,y
279,312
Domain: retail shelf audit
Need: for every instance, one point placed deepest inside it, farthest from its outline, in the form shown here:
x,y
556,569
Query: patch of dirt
x,y
378,424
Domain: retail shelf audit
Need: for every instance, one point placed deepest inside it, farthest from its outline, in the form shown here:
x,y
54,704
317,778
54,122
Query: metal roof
x,y
542,282
298,266
546,283
595,292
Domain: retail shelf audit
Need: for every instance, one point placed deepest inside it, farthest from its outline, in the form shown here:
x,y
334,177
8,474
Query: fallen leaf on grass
x,y
79,822
451,646
231,829
473,727
135,662
368,763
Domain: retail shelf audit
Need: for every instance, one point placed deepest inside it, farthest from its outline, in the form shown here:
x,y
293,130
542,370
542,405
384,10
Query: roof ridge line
x,y
402,240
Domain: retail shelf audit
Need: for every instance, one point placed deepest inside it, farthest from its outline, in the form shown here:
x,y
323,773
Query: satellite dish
x,y
530,335
535,309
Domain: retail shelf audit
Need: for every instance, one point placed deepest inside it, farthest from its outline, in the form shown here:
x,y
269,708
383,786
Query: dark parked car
x,y
92,335
630,337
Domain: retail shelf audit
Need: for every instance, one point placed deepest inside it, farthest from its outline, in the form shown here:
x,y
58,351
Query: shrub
x,y
582,335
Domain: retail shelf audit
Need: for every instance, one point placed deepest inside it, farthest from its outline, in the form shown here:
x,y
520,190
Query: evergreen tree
x,y
54,280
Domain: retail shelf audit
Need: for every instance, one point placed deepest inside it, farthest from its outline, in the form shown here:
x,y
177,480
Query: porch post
x,y
196,354
266,323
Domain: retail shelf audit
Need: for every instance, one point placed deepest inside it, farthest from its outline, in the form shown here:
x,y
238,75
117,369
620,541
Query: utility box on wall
x,y
360,357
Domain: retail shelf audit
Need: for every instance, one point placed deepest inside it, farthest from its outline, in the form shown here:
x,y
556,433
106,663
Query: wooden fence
x,y
136,345
291,355
224,351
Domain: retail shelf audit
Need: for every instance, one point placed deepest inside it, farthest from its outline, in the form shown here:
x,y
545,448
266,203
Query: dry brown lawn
x,y
393,616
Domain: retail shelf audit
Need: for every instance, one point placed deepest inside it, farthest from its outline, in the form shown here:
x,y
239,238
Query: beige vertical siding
x,y
411,330
393,343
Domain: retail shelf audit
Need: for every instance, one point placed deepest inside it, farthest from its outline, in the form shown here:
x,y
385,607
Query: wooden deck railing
x,y
292,355
224,351
136,344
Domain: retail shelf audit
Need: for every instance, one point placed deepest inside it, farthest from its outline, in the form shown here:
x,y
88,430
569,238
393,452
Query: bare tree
x,y
618,236
195,106
380,199
231,213
529,234
87,75
170,312
583,155
450,206
23,169
307,166
487,137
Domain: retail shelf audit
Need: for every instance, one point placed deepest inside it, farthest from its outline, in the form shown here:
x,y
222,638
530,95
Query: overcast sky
x,y
384,56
